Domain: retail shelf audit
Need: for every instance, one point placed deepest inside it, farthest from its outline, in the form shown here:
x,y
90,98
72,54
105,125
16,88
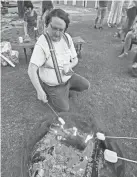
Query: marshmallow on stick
x,y
100,136
112,157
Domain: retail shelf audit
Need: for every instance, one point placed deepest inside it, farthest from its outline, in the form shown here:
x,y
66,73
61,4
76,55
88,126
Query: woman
x,y
51,84
30,21
115,14
131,35
122,23
131,15
101,7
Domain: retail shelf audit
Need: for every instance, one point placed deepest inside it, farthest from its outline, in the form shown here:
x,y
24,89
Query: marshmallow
x,y
61,121
75,131
40,173
55,131
110,156
88,138
59,138
100,136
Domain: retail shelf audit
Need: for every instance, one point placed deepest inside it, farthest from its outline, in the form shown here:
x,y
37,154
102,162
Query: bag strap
x,y
54,59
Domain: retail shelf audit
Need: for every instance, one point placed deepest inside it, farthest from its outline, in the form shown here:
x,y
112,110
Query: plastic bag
x,y
5,47
6,50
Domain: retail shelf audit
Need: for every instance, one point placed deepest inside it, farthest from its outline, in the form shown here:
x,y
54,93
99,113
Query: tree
x,y
46,5
20,8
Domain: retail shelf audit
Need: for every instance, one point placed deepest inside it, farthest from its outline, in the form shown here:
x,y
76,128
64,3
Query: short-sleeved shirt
x,y
31,20
41,57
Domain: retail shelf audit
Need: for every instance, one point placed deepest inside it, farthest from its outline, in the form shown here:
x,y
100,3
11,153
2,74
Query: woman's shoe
x,y
134,65
109,25
95,26
101,28
123,55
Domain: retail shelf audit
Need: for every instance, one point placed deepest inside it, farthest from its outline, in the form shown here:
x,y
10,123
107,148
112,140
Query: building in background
x,y
79,3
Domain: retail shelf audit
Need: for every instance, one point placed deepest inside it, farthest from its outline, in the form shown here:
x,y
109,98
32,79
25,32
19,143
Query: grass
x,y
111,100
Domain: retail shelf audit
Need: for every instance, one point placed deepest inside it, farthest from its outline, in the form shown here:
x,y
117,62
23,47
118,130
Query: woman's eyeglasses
x,y
56,29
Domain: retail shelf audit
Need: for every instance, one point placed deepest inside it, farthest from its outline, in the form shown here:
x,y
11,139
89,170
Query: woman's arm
x,y
36,19
25,28
32,72
25,24
74,62
38,58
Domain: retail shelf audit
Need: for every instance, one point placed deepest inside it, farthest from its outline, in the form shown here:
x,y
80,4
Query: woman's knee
x,y
129,34
61,105
85,85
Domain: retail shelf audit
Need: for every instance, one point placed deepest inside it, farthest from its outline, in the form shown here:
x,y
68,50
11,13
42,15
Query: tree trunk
x,y
46,5
20,8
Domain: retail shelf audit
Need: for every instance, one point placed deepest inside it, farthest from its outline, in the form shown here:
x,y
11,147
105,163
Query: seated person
x,y
30,21
131,35
45,81
131,15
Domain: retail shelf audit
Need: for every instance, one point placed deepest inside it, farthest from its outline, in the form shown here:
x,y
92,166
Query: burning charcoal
x,y
50,151
81,159
37,157
75,141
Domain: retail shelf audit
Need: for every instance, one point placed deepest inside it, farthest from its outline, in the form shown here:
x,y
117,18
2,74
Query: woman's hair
x,y
46,5
28,4
60,14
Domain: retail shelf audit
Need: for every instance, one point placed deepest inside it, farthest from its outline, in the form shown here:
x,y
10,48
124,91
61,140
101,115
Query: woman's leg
x,y
103,13
78,83
128,41
97,18
131,15
58,96
135,59
127,44
134,66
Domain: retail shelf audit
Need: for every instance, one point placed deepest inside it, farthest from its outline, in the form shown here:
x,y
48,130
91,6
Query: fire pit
x,y
68,151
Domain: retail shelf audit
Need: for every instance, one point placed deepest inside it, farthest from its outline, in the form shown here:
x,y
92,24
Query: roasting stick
x,y
101,136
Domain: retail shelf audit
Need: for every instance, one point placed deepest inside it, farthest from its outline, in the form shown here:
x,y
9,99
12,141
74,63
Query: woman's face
x,y
29,9
56,28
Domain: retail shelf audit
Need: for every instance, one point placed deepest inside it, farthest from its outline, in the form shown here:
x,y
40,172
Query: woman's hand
x,y
42,96
26,35
67,70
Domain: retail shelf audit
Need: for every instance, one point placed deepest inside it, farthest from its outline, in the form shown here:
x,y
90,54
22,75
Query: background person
x,y
30,20
115,13
131,35
131,15
101,7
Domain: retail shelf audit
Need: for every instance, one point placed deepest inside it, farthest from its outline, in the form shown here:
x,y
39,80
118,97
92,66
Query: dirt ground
x,y
111,100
